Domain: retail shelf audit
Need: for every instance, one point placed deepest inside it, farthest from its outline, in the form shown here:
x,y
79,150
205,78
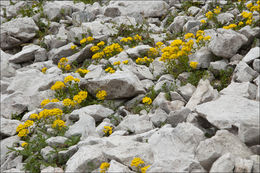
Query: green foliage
x,y
87,1
223,79
115,119
73,140
195,76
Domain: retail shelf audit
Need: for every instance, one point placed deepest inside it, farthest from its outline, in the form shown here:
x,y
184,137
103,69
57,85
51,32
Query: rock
x,y
137,51
203,93
8,127
57,141
223,142
178,23
225,18
112,12
256,160
27,54
98,28
159,117
6,68
244,89
54,41
66,154
193,10
12,161
253,54
56,54
178,116
55,10
244,73
118,167
186,91
217,66
157,68
225,163
40,55
117,85
51,169
147,9
255,149
250,33
7,142
147,84
178,145
226,43
141,71
84,127
243,165
203,56
86,159
96,71
192,26
165,83
135,124
17,31
80,17
47,153
233,111
82,55
4,86
256,65
176,96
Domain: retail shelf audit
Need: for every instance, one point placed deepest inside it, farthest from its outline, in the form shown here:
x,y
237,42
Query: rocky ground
x,y
130,86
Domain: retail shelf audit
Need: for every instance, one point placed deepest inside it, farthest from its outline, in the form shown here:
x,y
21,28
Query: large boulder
x,y
17,31
6,68
117,85
230,111
226,43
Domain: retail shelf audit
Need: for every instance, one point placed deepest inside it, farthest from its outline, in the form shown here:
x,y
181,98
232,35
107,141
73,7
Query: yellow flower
x,y
200,33
207,38
240,23
193,64
143,170
76,79
94,48
44,70
20,127
45,102
209,15
33,116
54,100
67,67
125,62
28,123
84,40
249,5
116,63
217,10
101,94
89,39
100,44
58,85
176,43
98,55
68,79
188,35
137,162
82,95
107,130
83,71
110,70
137,37
23,133
249,22
68,102
103,167
147,100
24,144
203,21
73,47
64,60
58,123
159,44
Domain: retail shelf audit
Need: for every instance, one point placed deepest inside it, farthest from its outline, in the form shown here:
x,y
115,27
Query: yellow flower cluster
x,y
209,15
117,63
104,167
107,130
88,39
217,10
49,113
101,94
59,123
82,95
127,39
189,35
110,70
143,170
100,44
63,64
98,55
44,70
147,100
248,16
231,26
68,102
253,7
200,36
72,47
143,60
82,71
70,79
203,21
46,101
125,62
58,85
137,162
94,48
22,129
112,49
193,65
24,144
138,37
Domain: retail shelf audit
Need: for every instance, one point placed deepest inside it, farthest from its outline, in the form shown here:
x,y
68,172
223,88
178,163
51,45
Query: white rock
x,y
243,165
96,71
136,124
203,56
118,167
158,117
157,67
176,96
225,18
223,142
51,169
82,16
224,163
57,141
256,160
230,110
191,26
203,93
193,10
6,68
111,11
244,89
47,153
65,154
244,73
40,55
8,127
98,28
253,54
17,31
82,55
27,54
56,54
217,66
137,51
178,116
226,43
141,71
7,142
186,91
256,65
117,85
54,41
178,23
